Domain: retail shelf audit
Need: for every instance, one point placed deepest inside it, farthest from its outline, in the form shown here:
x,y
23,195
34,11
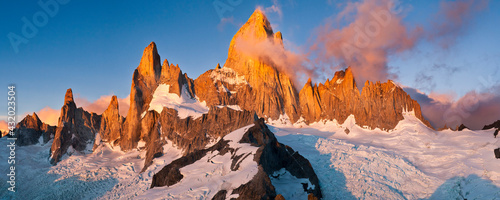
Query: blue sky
x,y
94,46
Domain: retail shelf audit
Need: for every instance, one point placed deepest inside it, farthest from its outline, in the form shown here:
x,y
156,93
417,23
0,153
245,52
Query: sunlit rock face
x,y
76,128
148,75
271,92
247,83
110,129
379,105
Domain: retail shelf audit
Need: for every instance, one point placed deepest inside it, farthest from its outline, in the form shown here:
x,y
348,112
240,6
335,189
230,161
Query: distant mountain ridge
x,y
196,113
253,84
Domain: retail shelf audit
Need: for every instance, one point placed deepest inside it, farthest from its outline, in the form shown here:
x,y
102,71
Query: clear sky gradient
x,y
94,46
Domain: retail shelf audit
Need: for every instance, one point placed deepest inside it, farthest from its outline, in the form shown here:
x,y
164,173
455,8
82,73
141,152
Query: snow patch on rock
x,y
227,75
185,105
212,173
234,107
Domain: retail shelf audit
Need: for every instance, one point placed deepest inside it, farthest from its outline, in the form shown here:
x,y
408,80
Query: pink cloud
x,y
3,126
474,109
100,105
443,98
272,51
49,116
375,32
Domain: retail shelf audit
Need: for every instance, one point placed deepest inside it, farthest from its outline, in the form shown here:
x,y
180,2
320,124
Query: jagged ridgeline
x,y
167,106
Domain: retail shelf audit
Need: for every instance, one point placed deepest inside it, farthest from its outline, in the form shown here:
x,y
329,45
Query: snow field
x,y
185,105
409,162
212,173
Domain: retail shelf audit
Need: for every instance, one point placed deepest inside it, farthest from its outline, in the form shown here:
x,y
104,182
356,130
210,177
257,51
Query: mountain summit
x,y
272,92
165,104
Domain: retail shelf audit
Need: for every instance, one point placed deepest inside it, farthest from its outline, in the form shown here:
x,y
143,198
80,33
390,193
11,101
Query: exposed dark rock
x,y
461,127
495,133
260,187
86,125
497,153
221,195
493,125
170,174
192,134
76,128
258,135
270,156
31,128
273,156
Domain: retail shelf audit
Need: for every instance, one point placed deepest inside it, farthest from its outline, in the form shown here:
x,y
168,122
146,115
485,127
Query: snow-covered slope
x,y
185,105
107,173
212,173
410,162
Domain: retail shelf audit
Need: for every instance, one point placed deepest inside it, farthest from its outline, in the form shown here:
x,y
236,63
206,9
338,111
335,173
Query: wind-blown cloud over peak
x,y
375,31
474,109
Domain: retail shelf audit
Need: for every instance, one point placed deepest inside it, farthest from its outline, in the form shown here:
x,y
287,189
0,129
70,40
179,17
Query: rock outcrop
x,y
461,127
148,75
144,82
493,125
379,105
172,75
252,82
110,129
270,156
273,156
190,134
255,83
271,92
220,86
31,128
76,129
